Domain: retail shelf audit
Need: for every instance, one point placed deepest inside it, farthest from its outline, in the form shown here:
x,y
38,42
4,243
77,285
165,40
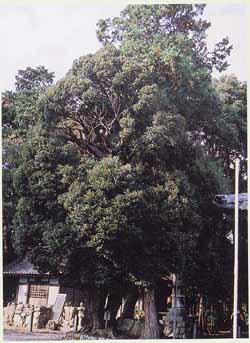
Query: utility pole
x,y
248,237
236,247
174,290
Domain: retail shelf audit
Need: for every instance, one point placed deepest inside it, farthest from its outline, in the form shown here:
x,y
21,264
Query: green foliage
x,y
171,41
99,97
120,160
37,186
21,109
152,30
229,139
20,113
162,64
30,78
128,218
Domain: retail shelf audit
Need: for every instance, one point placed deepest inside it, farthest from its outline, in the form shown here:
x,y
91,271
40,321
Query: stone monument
x,y
57,308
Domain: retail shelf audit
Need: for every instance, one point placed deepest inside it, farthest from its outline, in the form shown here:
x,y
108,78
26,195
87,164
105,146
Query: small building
x,y
22,283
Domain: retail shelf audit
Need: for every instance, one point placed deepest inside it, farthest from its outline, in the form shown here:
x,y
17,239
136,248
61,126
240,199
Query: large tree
x,y
148,98
117,174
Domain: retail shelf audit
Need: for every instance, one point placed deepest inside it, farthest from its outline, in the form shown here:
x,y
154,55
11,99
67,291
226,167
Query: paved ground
x,y
10,335
41,336
19,336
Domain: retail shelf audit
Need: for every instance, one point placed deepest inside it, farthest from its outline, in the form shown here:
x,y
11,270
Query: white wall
x,y
23,289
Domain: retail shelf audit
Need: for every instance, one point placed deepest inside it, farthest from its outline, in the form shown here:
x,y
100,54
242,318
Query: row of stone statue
x,y
37,317
25,315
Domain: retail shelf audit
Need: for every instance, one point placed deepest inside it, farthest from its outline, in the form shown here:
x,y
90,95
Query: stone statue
x,y
5,314
9,312
36,317
23,316
72,315
68,316
26,315
17,315
81,311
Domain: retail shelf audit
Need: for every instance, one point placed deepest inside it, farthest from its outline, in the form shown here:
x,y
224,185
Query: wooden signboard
x,y
58,306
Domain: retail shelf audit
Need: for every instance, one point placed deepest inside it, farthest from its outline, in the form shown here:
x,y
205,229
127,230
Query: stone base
x,y
168,320
132,328
104,333
52,325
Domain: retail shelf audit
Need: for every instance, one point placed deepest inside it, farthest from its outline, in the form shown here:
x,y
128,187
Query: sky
x,y
55,34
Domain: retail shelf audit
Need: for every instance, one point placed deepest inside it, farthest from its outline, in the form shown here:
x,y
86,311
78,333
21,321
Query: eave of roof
x,y
227,201
21,267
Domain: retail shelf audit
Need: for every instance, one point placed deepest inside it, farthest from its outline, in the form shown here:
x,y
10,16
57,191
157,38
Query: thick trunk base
x,y
93,302
151,327
113,306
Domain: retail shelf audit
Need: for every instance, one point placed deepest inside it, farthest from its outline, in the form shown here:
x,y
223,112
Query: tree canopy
x,y
111,172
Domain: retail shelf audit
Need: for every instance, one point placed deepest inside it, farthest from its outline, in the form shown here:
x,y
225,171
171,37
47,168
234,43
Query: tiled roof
x,y
227,201
20,267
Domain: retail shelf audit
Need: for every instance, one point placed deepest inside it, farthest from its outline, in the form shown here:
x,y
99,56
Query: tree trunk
x,y
151,329
95,305
129,305
114,303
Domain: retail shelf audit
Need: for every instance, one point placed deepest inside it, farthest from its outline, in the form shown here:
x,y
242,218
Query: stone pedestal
x,y
52,325
174,321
